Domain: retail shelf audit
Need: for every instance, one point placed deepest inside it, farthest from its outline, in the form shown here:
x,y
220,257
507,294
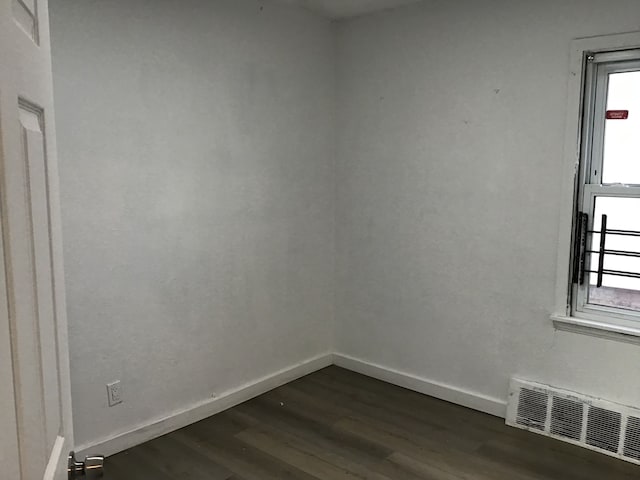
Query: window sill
x,y
597,328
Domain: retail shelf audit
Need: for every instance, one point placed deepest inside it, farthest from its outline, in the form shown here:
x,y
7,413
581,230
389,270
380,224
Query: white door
x,y
35,405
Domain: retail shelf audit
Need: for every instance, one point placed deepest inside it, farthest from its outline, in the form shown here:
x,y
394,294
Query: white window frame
x,y
571,311
598,68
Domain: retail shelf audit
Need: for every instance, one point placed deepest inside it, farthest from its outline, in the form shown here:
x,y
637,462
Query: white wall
x,y
196,158
199,192
451,133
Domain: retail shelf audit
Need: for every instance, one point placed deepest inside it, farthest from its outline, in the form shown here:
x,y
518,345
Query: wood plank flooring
x,y
336,424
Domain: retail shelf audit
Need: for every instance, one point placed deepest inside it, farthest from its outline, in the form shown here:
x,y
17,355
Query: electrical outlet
x,y
114,393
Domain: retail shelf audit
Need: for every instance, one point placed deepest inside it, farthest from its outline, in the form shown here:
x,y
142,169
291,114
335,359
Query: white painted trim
x,y
201,410
476,401
52,471
570,163
597,328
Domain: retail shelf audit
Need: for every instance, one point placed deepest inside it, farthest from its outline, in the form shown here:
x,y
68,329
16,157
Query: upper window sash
x,y
595,108
617,56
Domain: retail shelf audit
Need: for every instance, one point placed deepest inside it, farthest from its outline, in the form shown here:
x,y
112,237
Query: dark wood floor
x,y
336,424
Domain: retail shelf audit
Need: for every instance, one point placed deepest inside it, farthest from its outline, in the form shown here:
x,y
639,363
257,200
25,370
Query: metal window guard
x,y
582,250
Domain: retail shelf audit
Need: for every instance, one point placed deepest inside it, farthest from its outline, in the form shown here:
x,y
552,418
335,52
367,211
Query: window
x,y
606,254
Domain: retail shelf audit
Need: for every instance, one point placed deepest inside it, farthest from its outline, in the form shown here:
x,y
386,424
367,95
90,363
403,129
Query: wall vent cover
x,y
590,422
566,417
532,409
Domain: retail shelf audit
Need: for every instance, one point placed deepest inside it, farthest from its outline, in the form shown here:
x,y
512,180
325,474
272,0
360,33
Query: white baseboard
x,y
476,401
201,410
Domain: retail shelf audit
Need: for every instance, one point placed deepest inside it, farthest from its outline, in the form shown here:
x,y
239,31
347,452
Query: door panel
x,y
32,304
35,161
32,122
25,15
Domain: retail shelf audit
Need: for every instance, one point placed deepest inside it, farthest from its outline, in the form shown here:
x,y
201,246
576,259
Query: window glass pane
x,y
621,161
623,213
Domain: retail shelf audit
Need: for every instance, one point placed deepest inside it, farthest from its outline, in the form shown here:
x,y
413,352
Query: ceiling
x,y
347,8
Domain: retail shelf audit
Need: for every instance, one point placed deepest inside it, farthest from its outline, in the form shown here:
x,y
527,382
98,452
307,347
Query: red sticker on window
x,y
617,114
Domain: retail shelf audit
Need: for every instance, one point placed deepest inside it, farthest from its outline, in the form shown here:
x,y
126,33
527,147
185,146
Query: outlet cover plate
x,y
114,393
